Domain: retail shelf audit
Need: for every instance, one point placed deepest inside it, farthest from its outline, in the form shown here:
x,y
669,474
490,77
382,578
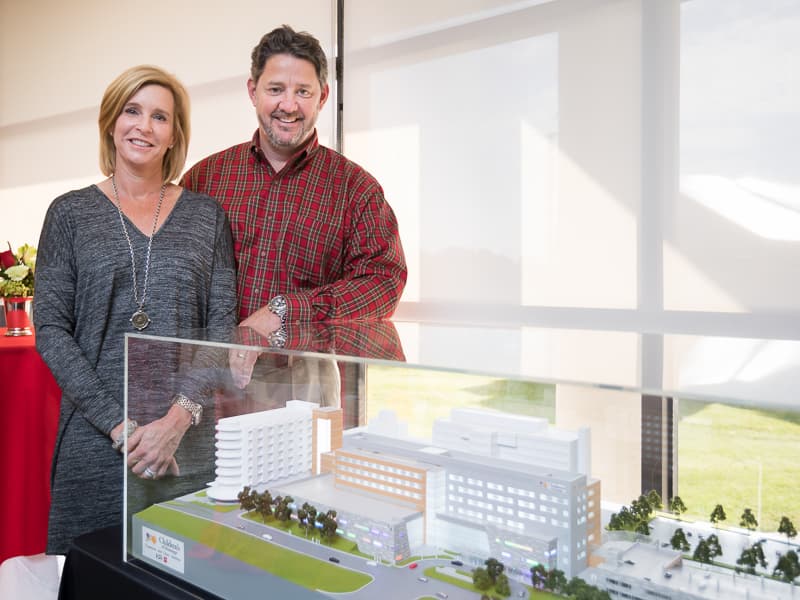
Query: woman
x,y
134,252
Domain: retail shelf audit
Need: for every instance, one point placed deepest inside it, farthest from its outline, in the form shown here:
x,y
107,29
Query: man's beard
x,y
281,142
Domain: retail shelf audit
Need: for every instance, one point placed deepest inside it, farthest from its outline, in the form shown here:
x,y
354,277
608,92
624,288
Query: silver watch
x,y
279,306
194,409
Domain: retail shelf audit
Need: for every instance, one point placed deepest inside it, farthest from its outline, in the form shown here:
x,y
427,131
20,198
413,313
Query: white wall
x,y
558,162
603,163
56,59
595,164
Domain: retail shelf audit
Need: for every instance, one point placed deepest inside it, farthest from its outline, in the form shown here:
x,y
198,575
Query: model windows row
x,y
542,519
488,507
380,467
545,508
379,486
380,476
279,430
479,516
469,480
540,495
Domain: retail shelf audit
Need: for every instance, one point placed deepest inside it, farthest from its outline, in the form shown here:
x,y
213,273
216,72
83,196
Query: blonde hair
x,y
117,95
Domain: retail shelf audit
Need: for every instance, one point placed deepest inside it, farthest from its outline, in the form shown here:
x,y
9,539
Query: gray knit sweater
x,y
82,306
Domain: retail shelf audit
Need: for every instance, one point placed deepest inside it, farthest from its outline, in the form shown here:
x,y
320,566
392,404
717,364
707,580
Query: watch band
x,y
194,409
279,306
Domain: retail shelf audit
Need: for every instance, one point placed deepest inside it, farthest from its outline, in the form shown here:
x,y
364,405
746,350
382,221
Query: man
x,y
315,240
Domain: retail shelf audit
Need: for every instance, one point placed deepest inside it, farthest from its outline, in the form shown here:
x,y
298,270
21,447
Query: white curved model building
x,y
273,445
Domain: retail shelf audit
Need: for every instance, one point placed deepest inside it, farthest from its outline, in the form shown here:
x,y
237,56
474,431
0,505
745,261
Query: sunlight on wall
x,y
602,357
733,368
578,263
690,283
539,209
24,208
748,204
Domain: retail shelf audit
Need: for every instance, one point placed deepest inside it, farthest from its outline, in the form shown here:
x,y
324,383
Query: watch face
x,y
278,305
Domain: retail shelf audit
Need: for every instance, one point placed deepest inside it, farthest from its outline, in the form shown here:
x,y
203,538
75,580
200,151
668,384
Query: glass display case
x,y
409,460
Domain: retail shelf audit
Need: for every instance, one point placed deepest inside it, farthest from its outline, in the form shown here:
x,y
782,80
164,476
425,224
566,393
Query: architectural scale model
x,y
485,484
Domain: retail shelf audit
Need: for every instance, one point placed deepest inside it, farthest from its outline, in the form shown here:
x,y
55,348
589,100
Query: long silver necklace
x,y
139,319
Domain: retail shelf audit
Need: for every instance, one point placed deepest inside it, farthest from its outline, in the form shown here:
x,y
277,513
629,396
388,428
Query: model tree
x,y
312,514
676,506
786,527
788,567
494,567
283,510
481,579
329,524
636,518
714,547
751,558
641,508
718,514
748,520
502,585
538,575
679,541
655,499
302,519
263,505
643,528
701,552
578,588
556,580
305,517
622,520
245,499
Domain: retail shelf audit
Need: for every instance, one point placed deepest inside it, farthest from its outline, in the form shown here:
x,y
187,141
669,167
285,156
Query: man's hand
x,y
263,321
241,363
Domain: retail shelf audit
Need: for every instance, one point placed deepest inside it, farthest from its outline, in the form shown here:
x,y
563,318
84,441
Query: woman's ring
x,y
149,473
240,354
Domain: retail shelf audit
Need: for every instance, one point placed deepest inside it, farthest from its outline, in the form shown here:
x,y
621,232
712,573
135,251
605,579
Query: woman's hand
x,y
151,448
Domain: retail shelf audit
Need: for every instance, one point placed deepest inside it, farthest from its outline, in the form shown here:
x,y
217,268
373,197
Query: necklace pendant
x,y
140,320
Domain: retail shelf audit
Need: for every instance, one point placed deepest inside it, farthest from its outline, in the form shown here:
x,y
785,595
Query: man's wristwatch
x,y
279,306
194,409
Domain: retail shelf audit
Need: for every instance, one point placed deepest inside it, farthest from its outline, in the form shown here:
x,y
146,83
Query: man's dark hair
x,y
285,40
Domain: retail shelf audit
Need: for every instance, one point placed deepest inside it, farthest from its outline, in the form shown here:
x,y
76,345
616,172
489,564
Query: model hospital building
x,y
485,484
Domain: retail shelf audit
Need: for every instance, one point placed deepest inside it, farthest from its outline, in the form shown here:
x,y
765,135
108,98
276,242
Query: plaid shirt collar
x,y
298,159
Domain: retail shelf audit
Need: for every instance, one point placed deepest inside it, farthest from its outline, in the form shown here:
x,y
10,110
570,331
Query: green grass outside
x,y
720,448
293,566
436,393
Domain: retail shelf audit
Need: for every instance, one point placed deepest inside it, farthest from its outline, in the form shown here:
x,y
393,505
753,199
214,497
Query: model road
x,y
389,583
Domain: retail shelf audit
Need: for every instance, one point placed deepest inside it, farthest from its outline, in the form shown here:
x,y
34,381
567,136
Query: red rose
x,y
7,259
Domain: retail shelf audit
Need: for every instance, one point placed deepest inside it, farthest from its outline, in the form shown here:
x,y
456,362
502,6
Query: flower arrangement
x,y
16,271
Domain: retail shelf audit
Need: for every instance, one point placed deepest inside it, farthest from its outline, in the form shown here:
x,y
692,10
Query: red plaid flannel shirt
x,y
319,232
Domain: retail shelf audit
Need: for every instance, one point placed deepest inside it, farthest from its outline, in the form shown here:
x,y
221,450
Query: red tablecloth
x,y
29,402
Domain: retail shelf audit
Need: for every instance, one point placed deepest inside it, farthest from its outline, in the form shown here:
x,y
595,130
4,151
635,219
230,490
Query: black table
x,y
94,569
